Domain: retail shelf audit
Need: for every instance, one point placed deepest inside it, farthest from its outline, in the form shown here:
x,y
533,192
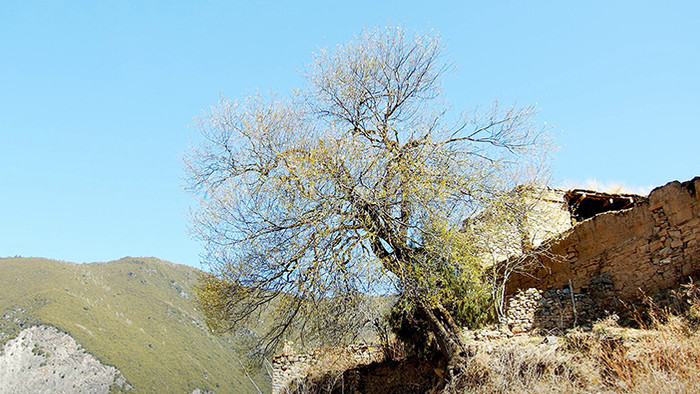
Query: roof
x,y
584,204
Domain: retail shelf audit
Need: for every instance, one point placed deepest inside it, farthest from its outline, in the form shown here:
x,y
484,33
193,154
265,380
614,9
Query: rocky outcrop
x,y
42,359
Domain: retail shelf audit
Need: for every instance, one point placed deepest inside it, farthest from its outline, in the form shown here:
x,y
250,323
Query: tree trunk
x,y
446,333
439,320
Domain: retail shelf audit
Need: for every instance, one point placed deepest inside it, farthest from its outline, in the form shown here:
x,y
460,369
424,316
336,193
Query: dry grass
x,y
662,356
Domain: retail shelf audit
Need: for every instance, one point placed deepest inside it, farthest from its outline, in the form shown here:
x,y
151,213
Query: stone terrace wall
x,y
614,255
549,310
290,366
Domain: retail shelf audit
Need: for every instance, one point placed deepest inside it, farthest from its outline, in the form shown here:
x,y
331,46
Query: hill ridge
x,y
136,313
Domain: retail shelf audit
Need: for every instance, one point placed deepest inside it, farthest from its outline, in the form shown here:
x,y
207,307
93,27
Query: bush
x,y
468,302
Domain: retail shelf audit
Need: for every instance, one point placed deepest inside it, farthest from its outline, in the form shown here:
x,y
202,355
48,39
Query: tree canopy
x,y
354,186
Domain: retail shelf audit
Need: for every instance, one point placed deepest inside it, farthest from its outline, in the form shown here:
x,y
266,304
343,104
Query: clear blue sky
x,y
97,98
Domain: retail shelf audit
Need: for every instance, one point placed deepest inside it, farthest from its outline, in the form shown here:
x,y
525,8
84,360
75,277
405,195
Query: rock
x,y
43,359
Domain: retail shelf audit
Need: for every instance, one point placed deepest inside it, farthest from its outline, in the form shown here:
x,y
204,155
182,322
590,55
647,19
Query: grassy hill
x,y
137,314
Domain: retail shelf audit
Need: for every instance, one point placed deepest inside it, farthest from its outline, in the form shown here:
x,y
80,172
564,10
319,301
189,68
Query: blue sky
x,y
97,99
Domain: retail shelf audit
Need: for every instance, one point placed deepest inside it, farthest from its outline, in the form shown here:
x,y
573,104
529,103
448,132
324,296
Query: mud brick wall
x,y
618,255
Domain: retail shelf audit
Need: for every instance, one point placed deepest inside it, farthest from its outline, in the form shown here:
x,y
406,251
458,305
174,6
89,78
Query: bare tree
x,y
353,187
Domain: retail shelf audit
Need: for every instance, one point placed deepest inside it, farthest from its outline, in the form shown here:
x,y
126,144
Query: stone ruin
x,y
288,367
601,249
620,248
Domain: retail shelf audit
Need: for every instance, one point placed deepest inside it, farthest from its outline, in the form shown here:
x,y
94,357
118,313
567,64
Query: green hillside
x,y
137,314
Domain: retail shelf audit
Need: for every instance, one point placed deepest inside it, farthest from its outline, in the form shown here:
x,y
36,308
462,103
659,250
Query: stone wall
x,y
618,255
549,310
529,218
288,366
291,367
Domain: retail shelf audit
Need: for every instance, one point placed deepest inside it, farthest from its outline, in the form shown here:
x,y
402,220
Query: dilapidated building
x,y
621,245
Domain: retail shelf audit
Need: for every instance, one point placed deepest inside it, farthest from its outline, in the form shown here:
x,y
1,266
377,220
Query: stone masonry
x,y
289,366
549,310
621,255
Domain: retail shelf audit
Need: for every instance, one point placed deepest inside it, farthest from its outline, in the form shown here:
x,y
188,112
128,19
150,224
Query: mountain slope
x,y
137,315
42,359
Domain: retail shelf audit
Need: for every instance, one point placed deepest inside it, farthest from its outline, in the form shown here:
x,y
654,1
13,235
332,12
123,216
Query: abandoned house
x,y
619,247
